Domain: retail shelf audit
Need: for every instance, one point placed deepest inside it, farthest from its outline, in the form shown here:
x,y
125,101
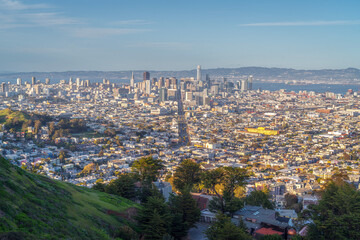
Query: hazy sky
x,y
60,35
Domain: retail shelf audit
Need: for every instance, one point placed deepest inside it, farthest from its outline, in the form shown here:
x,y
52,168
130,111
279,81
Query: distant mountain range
x,y
349,75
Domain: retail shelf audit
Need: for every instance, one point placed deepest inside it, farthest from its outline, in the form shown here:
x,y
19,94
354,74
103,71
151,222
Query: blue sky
x,y
61,35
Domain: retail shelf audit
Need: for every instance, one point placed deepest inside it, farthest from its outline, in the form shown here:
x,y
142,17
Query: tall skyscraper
x,y
18,81
244,85
132,80
147,86
198,76
173,82
250,81
146,76
3,87
205,92
37,89
47,81
33,80
163,94
208,82
188,96
161,82
215,89
153,81
78,82
207,77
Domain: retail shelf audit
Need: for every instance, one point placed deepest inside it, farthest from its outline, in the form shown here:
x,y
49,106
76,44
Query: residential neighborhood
x,y
291,142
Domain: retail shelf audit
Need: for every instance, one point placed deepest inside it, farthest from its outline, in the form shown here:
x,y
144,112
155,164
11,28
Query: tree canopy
x,y
148,169
123,186
259,198
187,175
185,214
154,218
224,229
272,237
337,215
223,182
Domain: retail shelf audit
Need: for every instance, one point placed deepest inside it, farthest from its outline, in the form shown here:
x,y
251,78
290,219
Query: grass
x,y
36,207
88,135
8,114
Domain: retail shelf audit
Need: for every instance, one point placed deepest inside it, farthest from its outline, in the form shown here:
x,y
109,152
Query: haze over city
x,y
166,35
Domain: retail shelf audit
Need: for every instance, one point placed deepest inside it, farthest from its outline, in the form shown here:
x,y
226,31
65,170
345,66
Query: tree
x,y
154,218
337,215
148,169
297,237
123,186
51,128
126,232
99,187
223,182
224,229
211,180
110,132
37,126
118,142
185,214
339,177
227,204
290,200
187,175
25,126
62,156
146,191
272,237
101,153
259,198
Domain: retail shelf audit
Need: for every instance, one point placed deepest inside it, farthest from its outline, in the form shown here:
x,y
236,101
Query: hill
x,y
36,207
13,119
349,75
8,114
20,120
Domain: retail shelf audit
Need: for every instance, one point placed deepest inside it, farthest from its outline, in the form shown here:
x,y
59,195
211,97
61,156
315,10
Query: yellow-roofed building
x,y
262,130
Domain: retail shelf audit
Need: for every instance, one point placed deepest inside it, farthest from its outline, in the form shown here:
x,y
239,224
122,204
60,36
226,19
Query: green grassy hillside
x,y
36,207
7,113
13,119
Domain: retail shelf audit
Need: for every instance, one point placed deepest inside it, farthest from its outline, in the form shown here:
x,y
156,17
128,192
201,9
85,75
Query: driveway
x,y
198,233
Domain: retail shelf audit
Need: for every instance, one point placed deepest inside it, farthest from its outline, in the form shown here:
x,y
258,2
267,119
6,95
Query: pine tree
x,y
154,218
224,229
337,215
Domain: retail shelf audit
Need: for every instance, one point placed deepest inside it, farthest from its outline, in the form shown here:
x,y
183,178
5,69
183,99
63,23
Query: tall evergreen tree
x,y
154,218
185,214
337,215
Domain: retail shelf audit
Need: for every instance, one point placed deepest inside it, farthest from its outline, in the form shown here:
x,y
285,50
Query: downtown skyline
x,y
157,35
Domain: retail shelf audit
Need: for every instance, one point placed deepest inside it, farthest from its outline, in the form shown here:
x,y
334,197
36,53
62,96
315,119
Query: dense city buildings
x,y
291,142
